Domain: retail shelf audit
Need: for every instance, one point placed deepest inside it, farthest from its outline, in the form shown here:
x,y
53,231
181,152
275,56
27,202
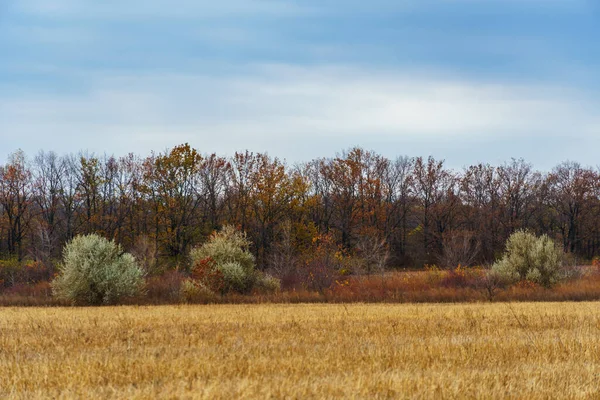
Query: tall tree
x,y
435,190
15,198
571,187
172,180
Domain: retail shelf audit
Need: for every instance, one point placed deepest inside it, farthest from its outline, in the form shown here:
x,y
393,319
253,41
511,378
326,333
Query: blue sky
x,y
463,80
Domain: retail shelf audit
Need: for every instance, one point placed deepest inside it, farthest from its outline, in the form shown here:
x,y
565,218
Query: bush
x,y
227,246
225,263
527,257
235,278
268,284
195,292
96,271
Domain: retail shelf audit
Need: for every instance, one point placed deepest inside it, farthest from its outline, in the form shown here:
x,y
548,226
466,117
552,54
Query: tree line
x,y
422,211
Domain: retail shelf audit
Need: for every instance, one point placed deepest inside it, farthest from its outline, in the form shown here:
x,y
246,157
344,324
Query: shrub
x,y
268,284
226,246
527,257
570,270
225,263
235,278
194,292
96,271
39,289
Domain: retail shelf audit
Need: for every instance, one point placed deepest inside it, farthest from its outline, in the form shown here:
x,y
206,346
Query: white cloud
x,y
283,109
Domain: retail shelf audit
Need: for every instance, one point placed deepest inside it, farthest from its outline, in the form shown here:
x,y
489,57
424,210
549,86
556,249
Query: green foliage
x,y
96,271
228,253
527,257
235,278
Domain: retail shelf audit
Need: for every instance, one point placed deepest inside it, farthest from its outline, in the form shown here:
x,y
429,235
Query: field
x,y
500,350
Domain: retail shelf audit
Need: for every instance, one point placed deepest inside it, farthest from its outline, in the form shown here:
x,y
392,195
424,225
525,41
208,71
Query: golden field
x,y
501,350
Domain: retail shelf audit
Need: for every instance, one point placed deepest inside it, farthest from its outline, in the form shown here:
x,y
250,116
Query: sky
x,y
467,81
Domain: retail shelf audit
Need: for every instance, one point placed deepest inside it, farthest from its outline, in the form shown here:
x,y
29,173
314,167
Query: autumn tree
x,y
69,195
132,215
15,198
356,191
274,193
162,205
319,202
172,182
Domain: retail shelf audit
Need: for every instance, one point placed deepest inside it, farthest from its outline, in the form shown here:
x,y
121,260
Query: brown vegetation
x,y
461,285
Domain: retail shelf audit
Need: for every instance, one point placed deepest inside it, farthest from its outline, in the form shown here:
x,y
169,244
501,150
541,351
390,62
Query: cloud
x,y
283,109
137,75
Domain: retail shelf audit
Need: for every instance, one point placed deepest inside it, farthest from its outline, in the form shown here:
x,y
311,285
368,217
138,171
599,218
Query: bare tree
x,y
460,248
374,254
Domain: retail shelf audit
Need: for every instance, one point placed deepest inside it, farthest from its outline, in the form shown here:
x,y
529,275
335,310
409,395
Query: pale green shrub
x,y
527,257
227,246
235,278
96,271
228,253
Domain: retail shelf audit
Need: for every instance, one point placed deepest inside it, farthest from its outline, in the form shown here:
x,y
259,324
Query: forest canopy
x,y
169,202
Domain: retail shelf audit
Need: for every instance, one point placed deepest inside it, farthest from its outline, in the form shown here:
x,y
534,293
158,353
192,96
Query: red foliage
x,y
205,271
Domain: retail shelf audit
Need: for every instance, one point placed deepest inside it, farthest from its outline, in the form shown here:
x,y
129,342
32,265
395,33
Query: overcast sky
x,y
463,80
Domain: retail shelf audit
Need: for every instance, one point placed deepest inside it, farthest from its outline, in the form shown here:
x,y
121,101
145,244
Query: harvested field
x,y
500,350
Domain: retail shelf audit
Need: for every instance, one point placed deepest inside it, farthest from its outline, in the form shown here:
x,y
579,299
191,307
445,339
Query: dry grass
x,y
501,350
